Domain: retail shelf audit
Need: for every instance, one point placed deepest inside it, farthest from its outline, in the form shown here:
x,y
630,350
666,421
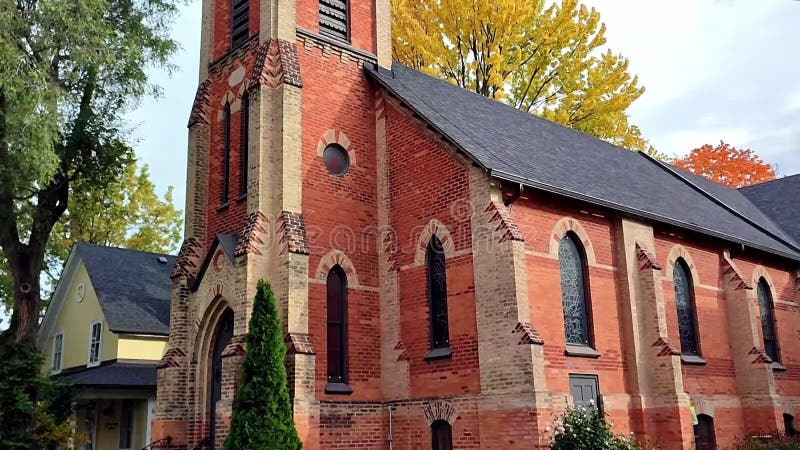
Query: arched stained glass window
x,y
767,309
574,290
337,318
437,293
684,302
441,435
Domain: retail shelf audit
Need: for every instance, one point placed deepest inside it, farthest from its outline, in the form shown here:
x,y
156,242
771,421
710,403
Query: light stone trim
x,y
550,256
233,100
434,227
383,33
206,37
332,259
440,410
565,225
759,272
679,251
337,137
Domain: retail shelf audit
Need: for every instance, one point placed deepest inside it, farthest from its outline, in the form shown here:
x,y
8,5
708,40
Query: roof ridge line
x,y
732,210
763,183
127,249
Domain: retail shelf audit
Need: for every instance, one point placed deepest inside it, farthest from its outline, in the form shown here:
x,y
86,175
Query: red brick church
x,y
452,272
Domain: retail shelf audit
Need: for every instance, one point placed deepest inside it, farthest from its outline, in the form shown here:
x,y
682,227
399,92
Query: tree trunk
x,y
27,297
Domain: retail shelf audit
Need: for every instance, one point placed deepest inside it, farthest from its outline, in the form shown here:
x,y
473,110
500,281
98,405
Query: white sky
x,y
713,70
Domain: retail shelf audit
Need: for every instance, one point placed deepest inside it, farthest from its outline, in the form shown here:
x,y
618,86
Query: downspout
x,y
390,408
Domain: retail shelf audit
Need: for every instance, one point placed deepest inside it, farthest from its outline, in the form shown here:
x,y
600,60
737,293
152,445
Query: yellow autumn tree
x,y
546,60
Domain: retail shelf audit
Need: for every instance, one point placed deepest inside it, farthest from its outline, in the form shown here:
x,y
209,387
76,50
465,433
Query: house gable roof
x,y
778,199
133,287
520,147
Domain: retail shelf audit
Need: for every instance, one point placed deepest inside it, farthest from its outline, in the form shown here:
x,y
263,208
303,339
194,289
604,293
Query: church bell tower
x,y
280,81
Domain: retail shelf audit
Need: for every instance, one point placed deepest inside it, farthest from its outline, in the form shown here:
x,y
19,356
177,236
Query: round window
x,y
336,160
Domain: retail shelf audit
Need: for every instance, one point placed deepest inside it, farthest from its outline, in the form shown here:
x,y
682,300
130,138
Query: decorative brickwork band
x,y
647,261
174,357
276,63
761,356
188,261
440,410
733,274
389,251
332,259
402,354
528,334
665,347
199,114
292,230
235,348
505,224
298,344
253,234
434,227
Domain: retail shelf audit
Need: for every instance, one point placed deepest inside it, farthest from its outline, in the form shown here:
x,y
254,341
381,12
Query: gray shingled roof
x,y
519,147
113,375
133,287
779,199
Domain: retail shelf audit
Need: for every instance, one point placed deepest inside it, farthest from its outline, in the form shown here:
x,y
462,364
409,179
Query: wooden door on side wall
x,y
221,340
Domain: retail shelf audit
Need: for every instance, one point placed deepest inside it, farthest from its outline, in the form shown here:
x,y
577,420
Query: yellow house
x,y
104,331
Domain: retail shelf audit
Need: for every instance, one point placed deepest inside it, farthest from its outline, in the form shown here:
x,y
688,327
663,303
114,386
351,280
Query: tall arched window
x,y
684,302
244,136
574,290
441,435
337,325
226,151
437,293
767,309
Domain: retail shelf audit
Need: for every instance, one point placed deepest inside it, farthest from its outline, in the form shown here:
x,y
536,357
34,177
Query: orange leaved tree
x,y
727,165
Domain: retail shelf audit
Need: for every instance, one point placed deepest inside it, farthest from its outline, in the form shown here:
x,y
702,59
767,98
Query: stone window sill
x,y
693,360
439,353
582,351
338,388
222,207
778,367
242,197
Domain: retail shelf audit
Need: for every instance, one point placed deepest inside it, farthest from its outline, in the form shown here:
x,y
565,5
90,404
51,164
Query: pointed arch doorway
x,y
222,337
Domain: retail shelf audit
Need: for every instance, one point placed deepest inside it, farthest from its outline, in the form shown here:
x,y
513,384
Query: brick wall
x,y
221,42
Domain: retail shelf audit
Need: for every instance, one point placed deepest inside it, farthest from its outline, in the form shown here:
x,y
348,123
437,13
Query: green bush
x,y
581,428
35,410
262,412
778,441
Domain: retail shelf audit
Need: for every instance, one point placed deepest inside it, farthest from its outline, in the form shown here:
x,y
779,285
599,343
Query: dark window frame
x,y
244,147
226,152
682,265
340,378
588,326
435,259
441,435
240,31
327,30
771,345
704,420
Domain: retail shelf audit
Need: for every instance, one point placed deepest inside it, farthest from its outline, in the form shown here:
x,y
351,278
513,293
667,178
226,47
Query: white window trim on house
x,y
89,362
56,368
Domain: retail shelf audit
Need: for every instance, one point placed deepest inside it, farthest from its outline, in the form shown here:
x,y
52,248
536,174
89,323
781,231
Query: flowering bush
x,y
779,441
582,428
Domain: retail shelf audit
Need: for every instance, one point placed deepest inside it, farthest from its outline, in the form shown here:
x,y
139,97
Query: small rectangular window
x,y
94,343
334,19
584,390
58,349
126,426
240,18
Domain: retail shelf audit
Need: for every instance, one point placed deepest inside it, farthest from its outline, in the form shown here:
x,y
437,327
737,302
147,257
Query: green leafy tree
x,y
126,213
547,60
69,69
262,413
